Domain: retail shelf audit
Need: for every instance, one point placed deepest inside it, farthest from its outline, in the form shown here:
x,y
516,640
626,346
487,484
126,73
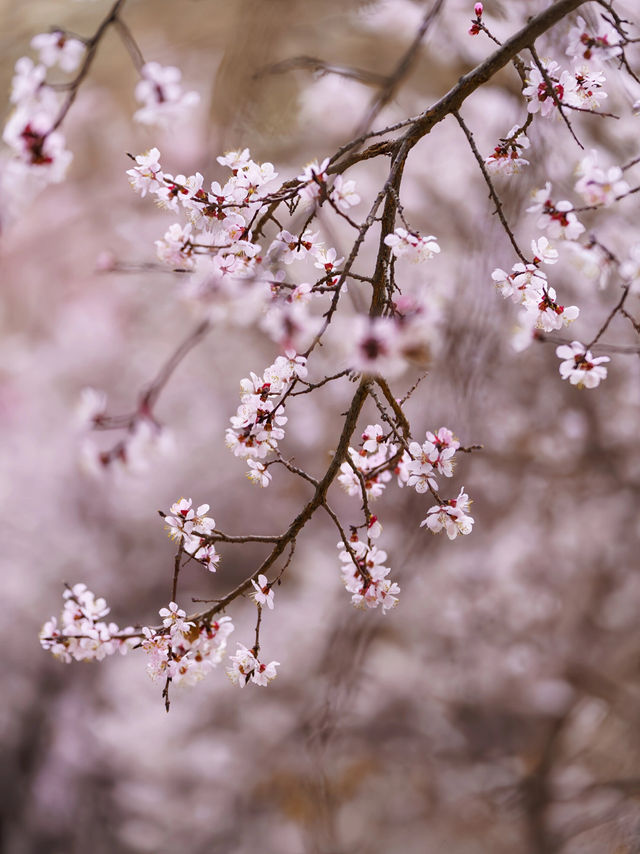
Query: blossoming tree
x,y
325,262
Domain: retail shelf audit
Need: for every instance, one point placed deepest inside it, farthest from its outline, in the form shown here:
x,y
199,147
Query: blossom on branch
x,y
161,94
580,367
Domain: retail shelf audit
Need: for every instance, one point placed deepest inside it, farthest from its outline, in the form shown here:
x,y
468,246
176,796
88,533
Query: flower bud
x,y
478,9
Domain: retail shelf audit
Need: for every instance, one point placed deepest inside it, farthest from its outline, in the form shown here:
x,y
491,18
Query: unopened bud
x,y
478,9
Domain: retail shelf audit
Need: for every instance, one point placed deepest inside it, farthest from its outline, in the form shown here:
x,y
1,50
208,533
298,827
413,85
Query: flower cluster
x,y
452,517
579,366
258,424
193,527
161,94
506,158
527,285
38,147
144,439
231,277
435,456
369,468
365,576
81,634
599,186
411,245
245,667
580,87
181,650
385,345
593,48
556,218
58,48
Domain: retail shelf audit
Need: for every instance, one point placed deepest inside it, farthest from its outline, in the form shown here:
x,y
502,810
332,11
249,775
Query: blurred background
x,y
496,709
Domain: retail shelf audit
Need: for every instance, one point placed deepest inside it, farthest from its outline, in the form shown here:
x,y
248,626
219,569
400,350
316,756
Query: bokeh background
x,y
496,709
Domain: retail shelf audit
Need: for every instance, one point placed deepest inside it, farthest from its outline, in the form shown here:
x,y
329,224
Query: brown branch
x,y
492,192
308,510
401,71
617,307
152,392
311,63
552,92
92,47
457,95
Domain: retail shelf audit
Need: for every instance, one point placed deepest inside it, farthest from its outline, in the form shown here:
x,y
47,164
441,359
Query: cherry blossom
x,y
413,246
288,248
543,252
599,186
258,473
539,93
263,594
451,517
584,45
580,367
314,180
189,525
365,576
57,48
506,157
81,634
630,269
555,217
147,174
589,83
374,346
343,194
161,94
525,283
91,407
245,667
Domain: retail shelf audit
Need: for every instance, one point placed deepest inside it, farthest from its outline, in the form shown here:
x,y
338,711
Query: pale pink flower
x,y
580,367
57,48
263,594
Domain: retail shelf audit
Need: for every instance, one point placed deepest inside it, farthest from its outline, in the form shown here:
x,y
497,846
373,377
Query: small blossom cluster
x,y
38,147
476,26
434,456
556,218
592,48
417,467
371,463
144,438
314,187
216,228
421,465
580,367
82,634
506,158
580,87
192,528
231,276
365,576
385,345
527,285
160,92
246,667
451,516
258,424
411,245
599,186
181,650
